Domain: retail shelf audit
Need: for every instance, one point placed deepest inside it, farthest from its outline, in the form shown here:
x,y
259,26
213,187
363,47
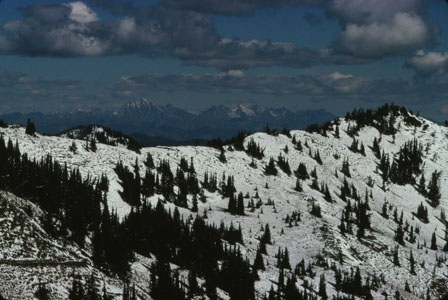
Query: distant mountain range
x,y
151,123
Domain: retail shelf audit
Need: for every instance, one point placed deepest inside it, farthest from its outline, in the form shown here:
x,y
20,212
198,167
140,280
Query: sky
x,y
302,54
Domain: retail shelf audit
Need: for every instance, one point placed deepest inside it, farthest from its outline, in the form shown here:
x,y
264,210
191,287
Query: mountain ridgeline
x,y
351,209
153,124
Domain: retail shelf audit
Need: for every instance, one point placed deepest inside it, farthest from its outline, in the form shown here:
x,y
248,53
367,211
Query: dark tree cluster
x,y
198,247
254,149
353,284
422,213
283,164
355,215
236,205
237,142
293,219
348,191
130,182
106,136
30,128
407,163
357,147
270,169
71,202
268,130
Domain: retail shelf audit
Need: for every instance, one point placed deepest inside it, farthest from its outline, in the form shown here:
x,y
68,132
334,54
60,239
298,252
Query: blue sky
x,y
302,54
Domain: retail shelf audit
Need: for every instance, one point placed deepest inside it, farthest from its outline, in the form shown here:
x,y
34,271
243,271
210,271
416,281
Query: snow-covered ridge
x,y
312,237
102,135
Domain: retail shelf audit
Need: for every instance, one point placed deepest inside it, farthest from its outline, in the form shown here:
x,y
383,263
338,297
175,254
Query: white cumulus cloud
x,y
81,13
405,31
428,64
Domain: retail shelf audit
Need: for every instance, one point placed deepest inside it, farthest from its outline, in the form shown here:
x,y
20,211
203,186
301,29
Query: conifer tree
x,y
231,208
298,186
396,259
412,263
302,172
434,241
399,235
30,128
93,144
194,208
322,288
270,169
266,238
240,204
259,262
222,156
73,148
434,189
149,161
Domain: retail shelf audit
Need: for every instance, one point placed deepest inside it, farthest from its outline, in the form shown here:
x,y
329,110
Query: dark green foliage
x,y
149,162
254,149
322,288
73,148
106,136
130,182
266,238
376,148
283,259
237,142
210,182
363,220
164,285
434,189
346,168
30,128
399,235
422,213
298,186
317,157
407,163
283,164
236,205
302,172
197,247
271,169
270,131
259,262
396,259
352,284
228,189
315,210
434,241
72,204
42,292
412,263
222,156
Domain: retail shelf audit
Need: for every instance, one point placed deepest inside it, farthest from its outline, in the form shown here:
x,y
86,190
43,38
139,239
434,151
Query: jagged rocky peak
x,y
140,104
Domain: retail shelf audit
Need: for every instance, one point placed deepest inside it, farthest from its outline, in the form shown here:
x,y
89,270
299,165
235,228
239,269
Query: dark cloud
x,y
235,7
47,13
115,7
176,29
21,92
155,31
312,19
323,88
